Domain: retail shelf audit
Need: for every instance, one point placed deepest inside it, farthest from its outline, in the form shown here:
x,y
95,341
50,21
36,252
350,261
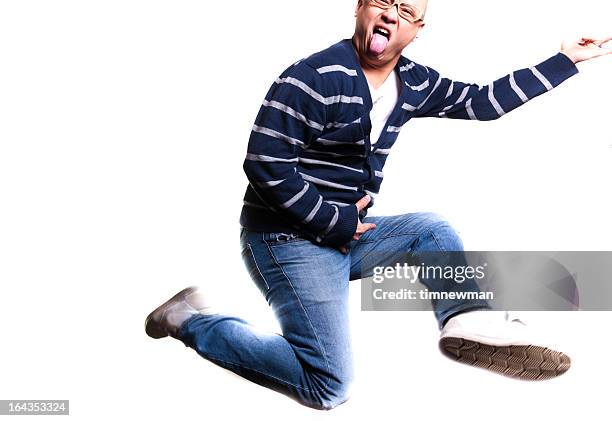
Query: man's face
x,y
373,48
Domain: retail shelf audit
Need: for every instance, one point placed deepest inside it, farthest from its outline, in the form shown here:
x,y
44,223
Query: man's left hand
x,y
586,48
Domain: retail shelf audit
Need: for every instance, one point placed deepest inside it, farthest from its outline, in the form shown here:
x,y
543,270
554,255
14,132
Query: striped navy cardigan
x,y
310,156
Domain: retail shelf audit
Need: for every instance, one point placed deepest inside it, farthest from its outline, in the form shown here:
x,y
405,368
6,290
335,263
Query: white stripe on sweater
x,y
331,164
338,143
470,111
297,197
343,99
339,155
496,105
460,99
451,88
269,183
254,205
339,125
337,68
517,89
314,94
293,113
420,87
332,224
277,135
314,211
326,183
463,94
341,204
407,67
541,78
266,158
431,93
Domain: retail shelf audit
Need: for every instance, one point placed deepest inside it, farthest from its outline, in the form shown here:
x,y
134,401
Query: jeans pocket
x,y
251,264
276,238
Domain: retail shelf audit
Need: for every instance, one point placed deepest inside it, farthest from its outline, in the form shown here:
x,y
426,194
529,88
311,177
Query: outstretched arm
x,y
458,100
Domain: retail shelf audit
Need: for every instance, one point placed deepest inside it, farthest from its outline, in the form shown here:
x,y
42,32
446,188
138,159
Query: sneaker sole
x,y
151,327
529,362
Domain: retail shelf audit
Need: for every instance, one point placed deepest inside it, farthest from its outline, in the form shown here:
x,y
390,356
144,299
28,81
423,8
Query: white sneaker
x,y
167,318
502,343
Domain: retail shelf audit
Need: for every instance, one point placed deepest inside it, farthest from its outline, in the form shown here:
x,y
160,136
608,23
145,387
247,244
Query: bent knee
x,y
331,398
433,219
331,395
443,233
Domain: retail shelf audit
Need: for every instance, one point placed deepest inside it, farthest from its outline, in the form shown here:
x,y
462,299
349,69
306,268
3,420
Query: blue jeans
x,y
307,287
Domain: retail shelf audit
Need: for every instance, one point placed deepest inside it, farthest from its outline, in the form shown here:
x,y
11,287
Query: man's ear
x,y
421,25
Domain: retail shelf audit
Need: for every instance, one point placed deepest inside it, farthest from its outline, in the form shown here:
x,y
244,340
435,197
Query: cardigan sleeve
x,y
458,100
291,116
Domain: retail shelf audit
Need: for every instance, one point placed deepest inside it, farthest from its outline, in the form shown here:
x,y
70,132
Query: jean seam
x,y
389,236
307,317
257,266
300,240
436,239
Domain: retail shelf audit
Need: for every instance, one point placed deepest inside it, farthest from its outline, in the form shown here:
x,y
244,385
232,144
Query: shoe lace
x,y
514,316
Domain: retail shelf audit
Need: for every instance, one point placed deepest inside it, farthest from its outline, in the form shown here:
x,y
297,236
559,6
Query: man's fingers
x,y
363,202
600,52
361,229
591,40
604,43
366,227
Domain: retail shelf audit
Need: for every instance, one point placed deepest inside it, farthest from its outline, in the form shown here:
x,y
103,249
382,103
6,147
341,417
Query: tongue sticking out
x,y
378,44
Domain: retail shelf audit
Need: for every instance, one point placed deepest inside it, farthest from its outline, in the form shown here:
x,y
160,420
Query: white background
x,y
123,128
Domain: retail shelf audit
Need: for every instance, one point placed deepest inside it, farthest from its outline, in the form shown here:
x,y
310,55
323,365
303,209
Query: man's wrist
x,y
569,55
345,227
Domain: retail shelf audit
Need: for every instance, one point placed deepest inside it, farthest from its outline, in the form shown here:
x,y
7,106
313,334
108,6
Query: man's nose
x,y
391,15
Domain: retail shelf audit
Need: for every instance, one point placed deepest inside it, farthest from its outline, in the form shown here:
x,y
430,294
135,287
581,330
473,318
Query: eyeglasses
x,y
405,10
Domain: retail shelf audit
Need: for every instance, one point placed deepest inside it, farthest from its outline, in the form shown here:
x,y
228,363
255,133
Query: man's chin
x,y
379,59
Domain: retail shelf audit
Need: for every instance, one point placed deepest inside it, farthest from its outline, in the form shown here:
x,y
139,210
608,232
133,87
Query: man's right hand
x,y
361,228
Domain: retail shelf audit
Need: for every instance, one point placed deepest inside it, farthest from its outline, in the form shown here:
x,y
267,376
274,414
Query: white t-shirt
x,y
384,100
